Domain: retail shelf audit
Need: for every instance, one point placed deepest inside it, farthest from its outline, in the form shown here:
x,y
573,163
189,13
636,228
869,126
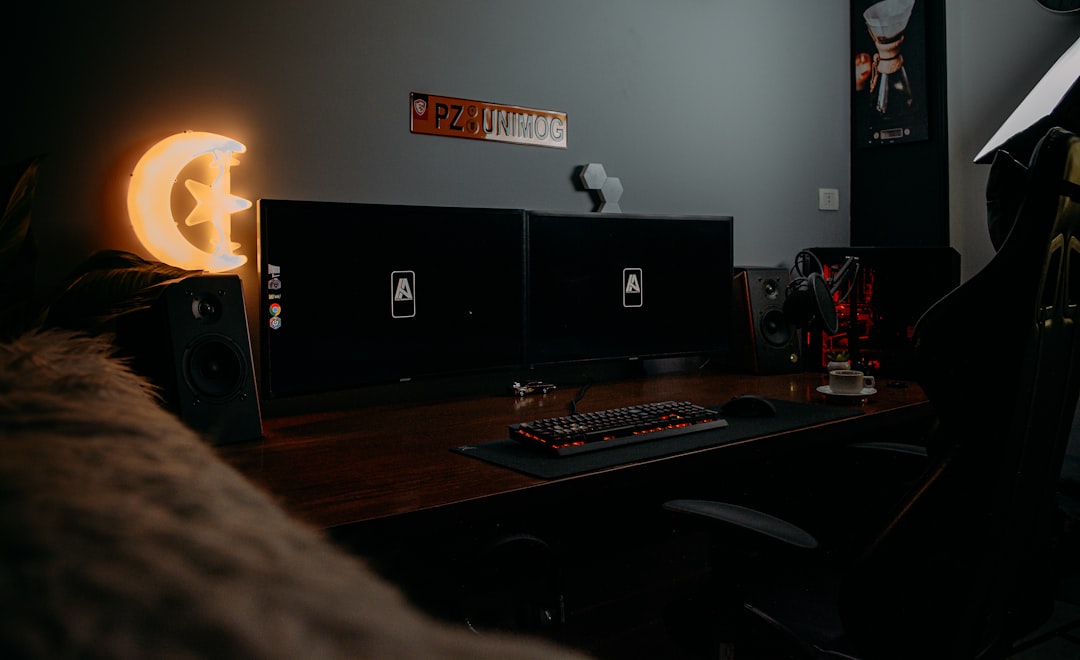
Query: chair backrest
x,y
964,568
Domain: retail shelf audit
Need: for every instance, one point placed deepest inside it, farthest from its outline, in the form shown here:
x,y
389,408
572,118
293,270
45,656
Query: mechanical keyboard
x,y
578,433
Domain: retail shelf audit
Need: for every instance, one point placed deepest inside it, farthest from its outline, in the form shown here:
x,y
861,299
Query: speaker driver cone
x,y
775,329
214,367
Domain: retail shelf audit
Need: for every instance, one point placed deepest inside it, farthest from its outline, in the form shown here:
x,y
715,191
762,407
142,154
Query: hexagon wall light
x,y
607,188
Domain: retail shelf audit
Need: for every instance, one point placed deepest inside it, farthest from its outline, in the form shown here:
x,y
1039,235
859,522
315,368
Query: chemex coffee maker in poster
x,y
889,71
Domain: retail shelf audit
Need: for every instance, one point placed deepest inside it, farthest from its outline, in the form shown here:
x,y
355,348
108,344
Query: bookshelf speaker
x,y
193,343
764,341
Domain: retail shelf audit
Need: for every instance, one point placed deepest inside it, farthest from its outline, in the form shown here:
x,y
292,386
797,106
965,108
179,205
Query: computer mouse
x,y
748,405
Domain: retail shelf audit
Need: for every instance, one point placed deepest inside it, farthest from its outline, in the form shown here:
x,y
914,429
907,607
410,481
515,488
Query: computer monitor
x,y
358,294
617,286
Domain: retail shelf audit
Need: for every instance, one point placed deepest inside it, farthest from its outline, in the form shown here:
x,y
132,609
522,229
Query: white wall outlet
x,y
828,199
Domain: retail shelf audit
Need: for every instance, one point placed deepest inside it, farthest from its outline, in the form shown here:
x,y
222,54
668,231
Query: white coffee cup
x,y
849,381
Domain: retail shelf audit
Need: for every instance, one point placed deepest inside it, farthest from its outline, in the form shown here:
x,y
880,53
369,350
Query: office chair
x,y
963,566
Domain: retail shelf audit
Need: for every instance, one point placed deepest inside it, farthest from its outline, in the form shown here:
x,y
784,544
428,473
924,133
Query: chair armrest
x,y
891,447
747,519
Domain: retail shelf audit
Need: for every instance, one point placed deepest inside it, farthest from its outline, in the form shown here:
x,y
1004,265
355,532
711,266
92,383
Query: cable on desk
x,y
581,394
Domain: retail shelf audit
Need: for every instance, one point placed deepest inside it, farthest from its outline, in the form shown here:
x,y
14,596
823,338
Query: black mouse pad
x,y
535,462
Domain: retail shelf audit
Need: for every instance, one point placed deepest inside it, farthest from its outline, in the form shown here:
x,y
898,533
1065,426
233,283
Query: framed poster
x,y
888,39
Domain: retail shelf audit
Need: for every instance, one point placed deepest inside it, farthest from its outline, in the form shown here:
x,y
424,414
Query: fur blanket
x,y
122,535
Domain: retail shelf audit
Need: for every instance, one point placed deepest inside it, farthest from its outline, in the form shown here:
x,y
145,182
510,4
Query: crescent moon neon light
x,y
150,201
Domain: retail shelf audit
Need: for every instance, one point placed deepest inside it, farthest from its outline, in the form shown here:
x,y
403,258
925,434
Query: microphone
x,y
810,297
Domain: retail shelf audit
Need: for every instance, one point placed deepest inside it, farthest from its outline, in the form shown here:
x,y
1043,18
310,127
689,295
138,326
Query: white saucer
x,y
866,391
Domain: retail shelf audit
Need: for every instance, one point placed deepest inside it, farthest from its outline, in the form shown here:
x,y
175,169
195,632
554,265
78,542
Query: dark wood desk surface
x,y
337,468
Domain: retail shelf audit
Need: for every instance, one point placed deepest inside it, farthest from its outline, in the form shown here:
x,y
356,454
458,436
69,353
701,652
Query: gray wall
x,y
997,51
698,106
736,107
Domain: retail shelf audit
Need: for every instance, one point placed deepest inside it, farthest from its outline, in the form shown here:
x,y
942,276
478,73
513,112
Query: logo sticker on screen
x,y
274,283
632,287
402,294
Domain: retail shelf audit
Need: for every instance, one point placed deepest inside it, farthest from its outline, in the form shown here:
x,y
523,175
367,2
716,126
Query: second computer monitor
x,y
603,286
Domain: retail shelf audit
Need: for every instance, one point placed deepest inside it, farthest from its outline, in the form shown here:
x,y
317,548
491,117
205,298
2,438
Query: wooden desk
x,y
374,463
582,560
